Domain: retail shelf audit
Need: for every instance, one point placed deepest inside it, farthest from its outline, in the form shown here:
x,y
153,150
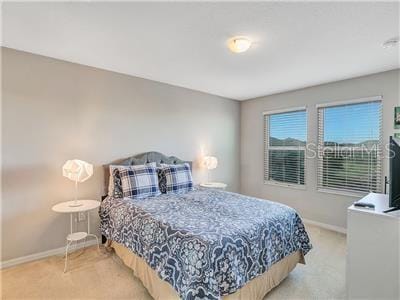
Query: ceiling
x,y
295,44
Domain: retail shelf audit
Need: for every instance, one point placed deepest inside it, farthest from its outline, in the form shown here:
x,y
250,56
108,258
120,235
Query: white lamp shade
x,y
77,170
210,162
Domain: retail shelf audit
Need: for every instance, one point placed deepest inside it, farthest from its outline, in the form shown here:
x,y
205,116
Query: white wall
x,y
317,206
54,110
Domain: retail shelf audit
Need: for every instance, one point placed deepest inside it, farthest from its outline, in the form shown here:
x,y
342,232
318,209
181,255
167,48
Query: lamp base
x,y
75,204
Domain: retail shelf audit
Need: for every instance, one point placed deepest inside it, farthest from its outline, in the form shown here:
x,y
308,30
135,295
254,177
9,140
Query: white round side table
x,y
66,208
214,185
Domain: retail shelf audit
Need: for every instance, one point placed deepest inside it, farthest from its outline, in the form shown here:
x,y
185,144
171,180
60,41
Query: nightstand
x,y
214,185
86,206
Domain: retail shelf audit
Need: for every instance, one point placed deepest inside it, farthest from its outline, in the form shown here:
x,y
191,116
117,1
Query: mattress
x,y
206,243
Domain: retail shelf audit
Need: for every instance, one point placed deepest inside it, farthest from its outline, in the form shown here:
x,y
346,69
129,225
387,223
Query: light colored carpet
x,y
95,275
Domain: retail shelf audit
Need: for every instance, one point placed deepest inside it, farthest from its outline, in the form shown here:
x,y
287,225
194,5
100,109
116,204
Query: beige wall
x,y
313,205
54,110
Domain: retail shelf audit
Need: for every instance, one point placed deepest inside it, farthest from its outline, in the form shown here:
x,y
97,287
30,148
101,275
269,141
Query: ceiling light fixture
x,y
390,43
239,44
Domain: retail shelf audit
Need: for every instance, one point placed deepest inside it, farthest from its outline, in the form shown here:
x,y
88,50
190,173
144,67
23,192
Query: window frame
x,y
320,140
267,147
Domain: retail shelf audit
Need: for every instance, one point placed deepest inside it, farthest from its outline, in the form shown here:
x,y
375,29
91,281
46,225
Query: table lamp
x,y
210,162
78,171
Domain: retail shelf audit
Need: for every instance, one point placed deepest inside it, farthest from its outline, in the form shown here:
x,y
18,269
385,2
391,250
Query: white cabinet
x,y
373,251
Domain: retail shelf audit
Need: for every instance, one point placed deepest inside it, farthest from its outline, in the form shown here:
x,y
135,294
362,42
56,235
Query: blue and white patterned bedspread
x,y
205,243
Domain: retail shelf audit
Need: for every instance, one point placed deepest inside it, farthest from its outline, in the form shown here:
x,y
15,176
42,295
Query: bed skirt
x,y
159,289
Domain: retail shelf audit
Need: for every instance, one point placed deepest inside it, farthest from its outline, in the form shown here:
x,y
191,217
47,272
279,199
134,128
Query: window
x,y
350,146
285,140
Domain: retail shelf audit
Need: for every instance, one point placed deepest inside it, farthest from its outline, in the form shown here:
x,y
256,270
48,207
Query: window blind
x,y
350,147
285,139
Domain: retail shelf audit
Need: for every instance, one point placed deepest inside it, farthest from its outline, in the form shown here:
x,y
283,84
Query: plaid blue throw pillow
x,y
178,178
139,182
115,185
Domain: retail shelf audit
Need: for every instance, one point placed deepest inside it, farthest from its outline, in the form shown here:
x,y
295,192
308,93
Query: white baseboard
x,y
40,255
326,226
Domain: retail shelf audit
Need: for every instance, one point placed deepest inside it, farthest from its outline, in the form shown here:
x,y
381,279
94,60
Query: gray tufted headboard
x,y
141,159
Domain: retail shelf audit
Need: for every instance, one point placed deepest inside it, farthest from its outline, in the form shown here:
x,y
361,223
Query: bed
x,y
204,244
